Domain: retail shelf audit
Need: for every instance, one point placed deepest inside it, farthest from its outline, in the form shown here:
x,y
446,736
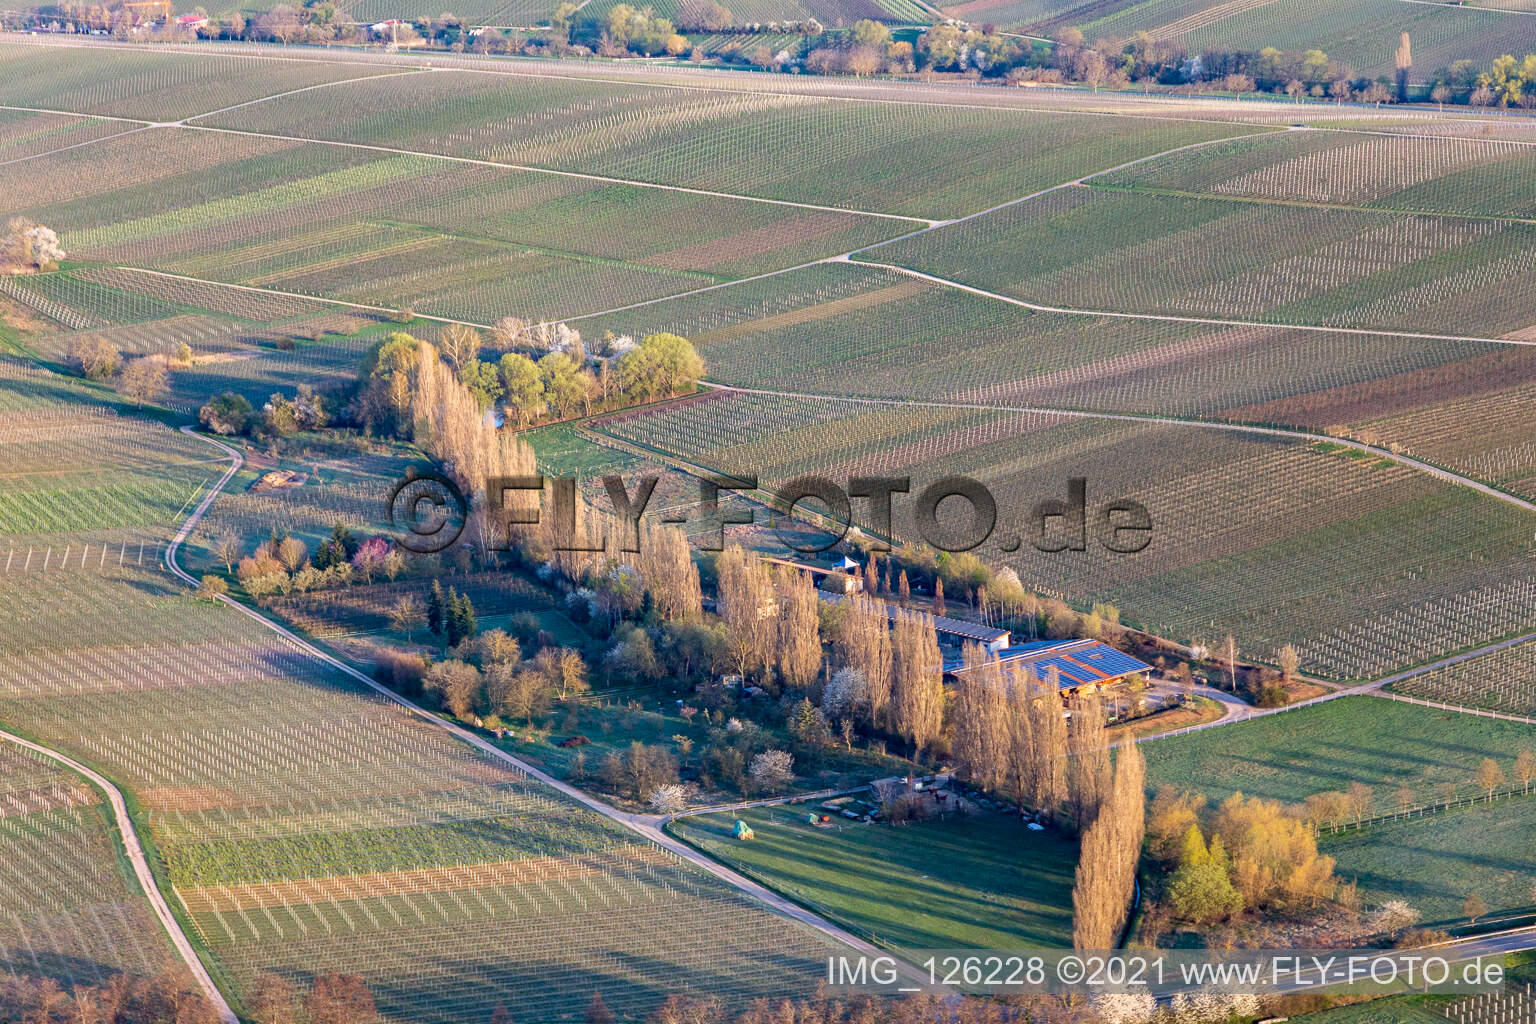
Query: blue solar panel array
x,y
1080,662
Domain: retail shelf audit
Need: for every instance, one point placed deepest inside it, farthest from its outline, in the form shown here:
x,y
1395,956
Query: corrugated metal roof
x,y
954,627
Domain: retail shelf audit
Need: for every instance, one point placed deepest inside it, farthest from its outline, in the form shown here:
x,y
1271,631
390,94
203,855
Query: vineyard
x,y
71,909
1092,248
839,329
1477,177
1502,681
464,242
885,157
1363,33
306,824
1484,436
1362,564
312,827
1007,12
1515,1005
24,133
76,467
476,12
153,86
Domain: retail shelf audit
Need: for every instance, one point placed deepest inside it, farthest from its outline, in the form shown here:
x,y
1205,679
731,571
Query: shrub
x,y
226,414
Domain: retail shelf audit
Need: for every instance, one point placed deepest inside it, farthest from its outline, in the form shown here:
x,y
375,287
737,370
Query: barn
x,y
1084,666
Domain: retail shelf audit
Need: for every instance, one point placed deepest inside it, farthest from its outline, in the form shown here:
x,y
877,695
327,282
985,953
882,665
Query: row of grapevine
x,y
68,909
1502,680
148,85
766,140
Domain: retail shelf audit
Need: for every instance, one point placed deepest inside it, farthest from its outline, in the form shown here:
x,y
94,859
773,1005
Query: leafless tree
x,y
143,380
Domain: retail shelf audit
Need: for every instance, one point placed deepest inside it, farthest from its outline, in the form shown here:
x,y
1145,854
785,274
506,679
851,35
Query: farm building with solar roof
x,y
1084,666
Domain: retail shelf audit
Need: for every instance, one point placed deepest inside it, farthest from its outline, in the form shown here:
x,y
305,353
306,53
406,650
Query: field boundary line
x,y
294,295
630,75
76,145
1433,470
1159,192
527,168
1150,418
1467,7
146,122
1070,184
1172,318
146,880
644,825
1462,709
182,122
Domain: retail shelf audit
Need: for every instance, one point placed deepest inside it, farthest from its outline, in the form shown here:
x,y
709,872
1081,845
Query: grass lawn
x,y
1434,862
1384,744
984,881
562,451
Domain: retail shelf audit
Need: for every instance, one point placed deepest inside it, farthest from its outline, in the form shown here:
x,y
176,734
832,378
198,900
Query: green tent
x,y
741,831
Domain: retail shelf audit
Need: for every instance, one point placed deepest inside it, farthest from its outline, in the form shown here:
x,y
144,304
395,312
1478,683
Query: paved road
x,y
135,851
648,826
1495,944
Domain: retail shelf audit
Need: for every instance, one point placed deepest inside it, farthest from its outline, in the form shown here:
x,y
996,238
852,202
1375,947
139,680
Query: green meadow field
x,y
986,882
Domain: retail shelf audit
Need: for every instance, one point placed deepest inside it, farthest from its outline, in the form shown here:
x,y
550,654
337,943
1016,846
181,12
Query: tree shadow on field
x,y
1322,768
65,968
558,986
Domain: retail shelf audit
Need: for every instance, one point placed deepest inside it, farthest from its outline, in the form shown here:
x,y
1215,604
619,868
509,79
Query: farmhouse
x,y
1083,666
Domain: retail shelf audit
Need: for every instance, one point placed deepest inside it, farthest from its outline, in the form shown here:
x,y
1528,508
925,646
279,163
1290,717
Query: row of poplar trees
x,y
1011,738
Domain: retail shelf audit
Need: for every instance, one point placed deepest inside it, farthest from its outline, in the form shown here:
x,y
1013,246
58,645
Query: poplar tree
x,y
665,564
863,643
1044,759
1089,774
1111,848
799,646
745,599
918,682
983,743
